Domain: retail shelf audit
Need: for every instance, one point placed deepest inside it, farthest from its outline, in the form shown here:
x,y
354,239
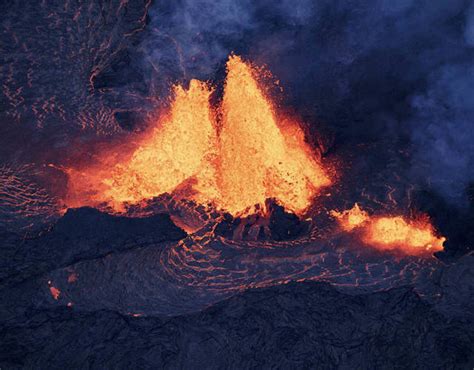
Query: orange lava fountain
x,y
180,149
236,164
415,237
259,158
351,218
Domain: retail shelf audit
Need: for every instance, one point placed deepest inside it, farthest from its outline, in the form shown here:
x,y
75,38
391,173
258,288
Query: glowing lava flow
x,y
413,237
251,157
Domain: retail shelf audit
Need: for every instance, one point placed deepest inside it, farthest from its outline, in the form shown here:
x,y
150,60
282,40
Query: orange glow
x,y
351,218
392,232
258,161
235,163
179,149
55,292
388,232
72,278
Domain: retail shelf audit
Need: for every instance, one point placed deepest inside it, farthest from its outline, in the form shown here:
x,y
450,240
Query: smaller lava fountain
x,y
415,237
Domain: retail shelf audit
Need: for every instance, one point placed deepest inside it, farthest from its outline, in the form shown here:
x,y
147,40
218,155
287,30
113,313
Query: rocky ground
x,y
299,325
187,321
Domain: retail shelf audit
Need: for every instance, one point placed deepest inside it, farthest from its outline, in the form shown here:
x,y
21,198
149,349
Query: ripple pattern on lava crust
x,y
24,204
202,269
82,40
225,265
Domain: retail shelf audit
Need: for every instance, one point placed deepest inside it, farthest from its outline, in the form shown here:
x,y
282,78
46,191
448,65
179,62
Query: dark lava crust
x,y
304,325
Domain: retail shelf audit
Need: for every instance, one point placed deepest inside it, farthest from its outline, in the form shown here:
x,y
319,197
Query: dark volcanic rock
x,y
90,224
81,234
304,325
129,120
277,225
284,225
456,223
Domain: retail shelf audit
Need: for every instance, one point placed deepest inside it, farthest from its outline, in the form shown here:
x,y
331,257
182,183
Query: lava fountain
x,y
234,156
414,237
261,157
178,149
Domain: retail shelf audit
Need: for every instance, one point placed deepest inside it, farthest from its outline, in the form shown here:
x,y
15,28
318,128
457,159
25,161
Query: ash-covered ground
x,y
385,89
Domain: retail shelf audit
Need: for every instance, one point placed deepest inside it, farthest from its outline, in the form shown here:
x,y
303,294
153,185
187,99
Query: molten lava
x,y
258,161
179,149
414,237
351,218
235,163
